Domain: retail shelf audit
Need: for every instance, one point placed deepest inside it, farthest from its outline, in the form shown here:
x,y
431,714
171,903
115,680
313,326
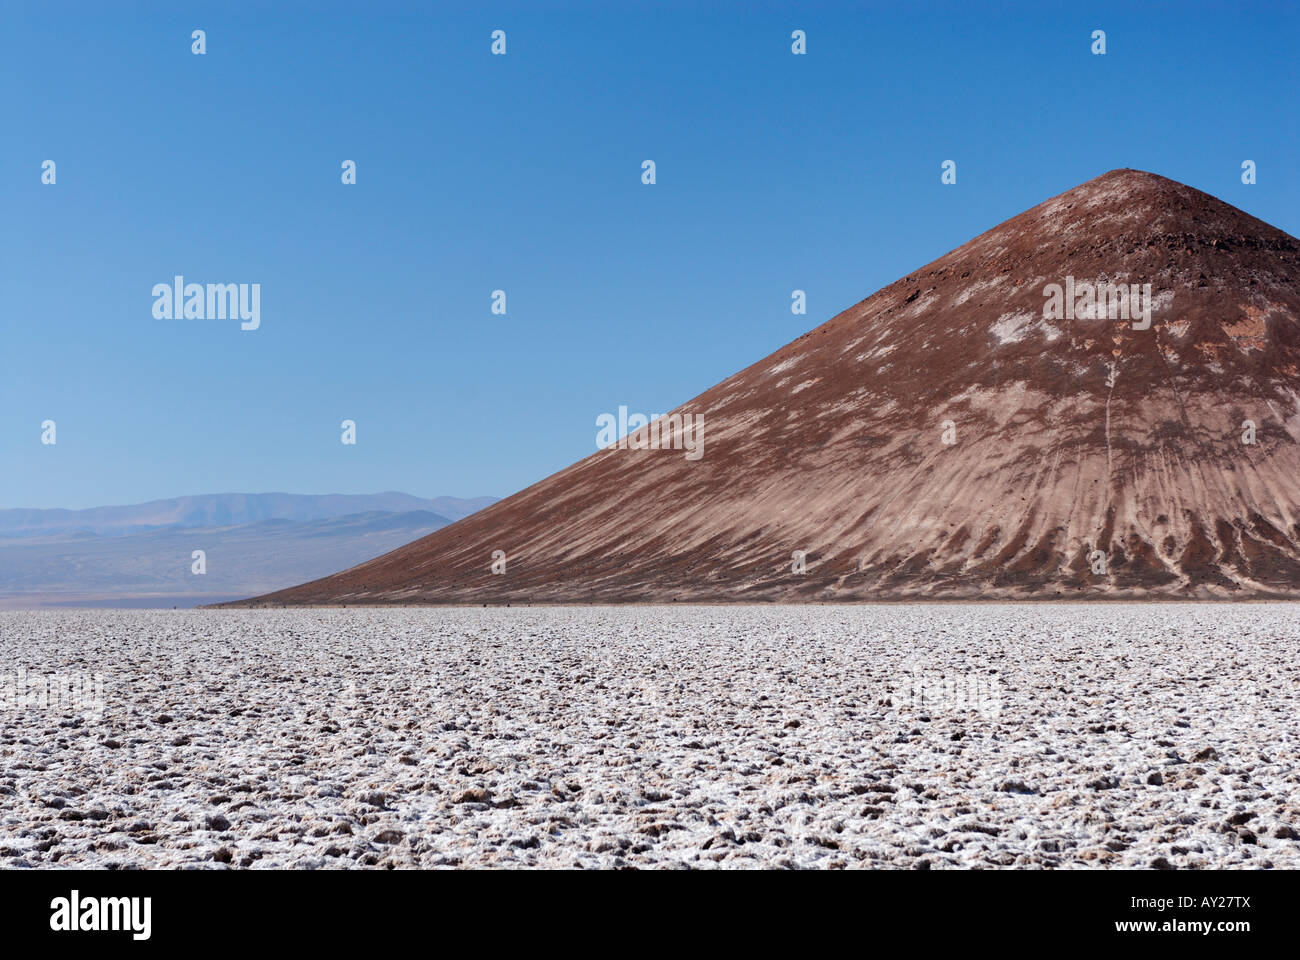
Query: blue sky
x,y
522,172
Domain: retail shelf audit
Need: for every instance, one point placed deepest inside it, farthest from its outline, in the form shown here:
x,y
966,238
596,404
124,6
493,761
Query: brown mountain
x,y
1087,457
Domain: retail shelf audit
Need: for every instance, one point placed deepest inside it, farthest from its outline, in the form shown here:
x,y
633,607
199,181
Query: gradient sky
x,y
522,172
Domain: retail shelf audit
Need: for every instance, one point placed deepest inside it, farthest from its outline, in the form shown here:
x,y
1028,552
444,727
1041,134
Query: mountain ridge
x,y
223,509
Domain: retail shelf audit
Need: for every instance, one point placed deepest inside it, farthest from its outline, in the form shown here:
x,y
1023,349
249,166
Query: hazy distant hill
x,y
225,509
141,555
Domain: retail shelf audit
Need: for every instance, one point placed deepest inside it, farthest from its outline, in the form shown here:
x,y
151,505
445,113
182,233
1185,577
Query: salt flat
x,y
862,736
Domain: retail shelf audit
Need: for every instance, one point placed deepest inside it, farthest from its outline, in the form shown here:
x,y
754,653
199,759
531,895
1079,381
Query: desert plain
x,y
922,736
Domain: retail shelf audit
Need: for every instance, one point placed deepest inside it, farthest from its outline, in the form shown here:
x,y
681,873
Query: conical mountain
x,y
966,432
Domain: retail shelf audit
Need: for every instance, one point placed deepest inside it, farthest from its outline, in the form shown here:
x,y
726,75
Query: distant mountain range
x,y
141,555
225,510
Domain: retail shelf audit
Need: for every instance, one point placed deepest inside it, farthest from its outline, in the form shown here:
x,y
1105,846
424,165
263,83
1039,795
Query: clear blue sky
x,y
522,172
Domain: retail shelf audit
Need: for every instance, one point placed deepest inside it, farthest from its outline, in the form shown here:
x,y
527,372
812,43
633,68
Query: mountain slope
x,y
944,438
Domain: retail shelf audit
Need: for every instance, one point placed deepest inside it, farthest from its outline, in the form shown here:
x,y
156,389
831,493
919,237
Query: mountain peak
x,y
1142,205
1099,397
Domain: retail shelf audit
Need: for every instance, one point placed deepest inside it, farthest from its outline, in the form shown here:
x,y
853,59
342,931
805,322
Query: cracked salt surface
x,y
1119,734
